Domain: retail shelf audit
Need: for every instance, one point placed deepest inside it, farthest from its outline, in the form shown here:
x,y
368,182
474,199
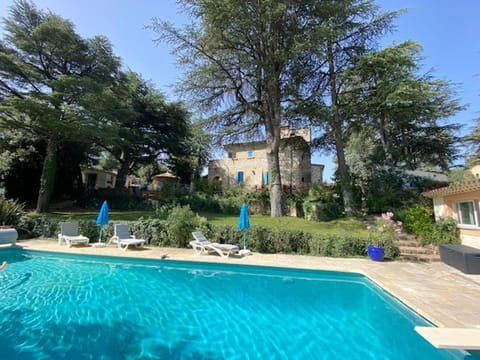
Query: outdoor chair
x,y
202,245
70,234
123,239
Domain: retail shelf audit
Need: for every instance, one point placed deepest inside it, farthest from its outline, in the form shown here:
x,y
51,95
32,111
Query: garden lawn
x,y
349,226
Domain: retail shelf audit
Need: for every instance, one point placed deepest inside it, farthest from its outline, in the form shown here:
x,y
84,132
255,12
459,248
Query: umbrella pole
x,y
244,239
100,236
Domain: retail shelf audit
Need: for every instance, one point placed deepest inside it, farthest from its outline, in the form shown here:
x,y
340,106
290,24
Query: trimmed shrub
x,y
91,230
175,231
322,246
344,246
418,219
444,231
259,239
391,249
224,234
37,227
269,241
180,223
153,231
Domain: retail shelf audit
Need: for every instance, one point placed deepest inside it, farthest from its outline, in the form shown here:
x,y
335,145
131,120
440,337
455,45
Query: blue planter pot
x,y
376,253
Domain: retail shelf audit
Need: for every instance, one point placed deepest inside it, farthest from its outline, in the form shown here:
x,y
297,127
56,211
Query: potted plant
x,y
383,235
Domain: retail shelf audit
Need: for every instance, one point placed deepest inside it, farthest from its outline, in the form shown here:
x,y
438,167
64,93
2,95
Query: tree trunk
x,y
122,174
337,125
272,128
276,182
384,120
47,179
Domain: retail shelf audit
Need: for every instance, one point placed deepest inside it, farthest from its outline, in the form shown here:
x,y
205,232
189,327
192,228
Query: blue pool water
x,y
58,306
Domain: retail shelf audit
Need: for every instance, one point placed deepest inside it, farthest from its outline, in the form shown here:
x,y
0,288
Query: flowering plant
x,y
386,230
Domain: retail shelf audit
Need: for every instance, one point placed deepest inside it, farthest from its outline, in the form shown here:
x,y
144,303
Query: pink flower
x,y
388,215
386,225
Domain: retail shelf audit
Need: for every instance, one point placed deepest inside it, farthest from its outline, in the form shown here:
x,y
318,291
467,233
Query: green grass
x,y
335,227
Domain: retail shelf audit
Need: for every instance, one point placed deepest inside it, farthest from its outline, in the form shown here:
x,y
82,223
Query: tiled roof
x,y
455,188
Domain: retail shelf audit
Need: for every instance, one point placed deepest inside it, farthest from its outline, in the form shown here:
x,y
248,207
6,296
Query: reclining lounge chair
x,y
122,237
201,245
70,234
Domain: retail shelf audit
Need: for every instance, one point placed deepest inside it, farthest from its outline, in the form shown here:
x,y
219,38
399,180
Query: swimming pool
x,y
56,306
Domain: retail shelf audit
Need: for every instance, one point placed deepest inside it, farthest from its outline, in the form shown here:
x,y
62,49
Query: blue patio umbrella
x,y
102,218
244,222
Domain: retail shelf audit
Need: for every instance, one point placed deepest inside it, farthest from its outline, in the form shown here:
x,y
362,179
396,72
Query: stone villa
x,y
246,163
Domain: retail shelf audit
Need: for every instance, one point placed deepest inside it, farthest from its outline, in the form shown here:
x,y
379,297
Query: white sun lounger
x,y
123,239
201,245
70,234
451,338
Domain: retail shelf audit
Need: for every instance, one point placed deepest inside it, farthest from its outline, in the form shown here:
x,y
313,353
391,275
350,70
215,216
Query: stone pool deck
x,y
440,293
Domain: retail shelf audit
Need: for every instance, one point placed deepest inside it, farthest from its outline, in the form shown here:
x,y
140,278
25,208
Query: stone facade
x,y
246,163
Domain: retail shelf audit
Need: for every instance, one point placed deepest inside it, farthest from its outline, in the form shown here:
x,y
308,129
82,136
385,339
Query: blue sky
x,y
448,31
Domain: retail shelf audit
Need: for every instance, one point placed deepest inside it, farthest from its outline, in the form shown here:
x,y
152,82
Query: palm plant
x,y
10,211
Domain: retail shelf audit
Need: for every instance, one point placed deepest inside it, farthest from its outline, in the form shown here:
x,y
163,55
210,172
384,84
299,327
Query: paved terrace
x,y
440,293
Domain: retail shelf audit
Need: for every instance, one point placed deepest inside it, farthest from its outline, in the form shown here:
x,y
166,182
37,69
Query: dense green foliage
x,y
118,199
172,226
443,231
55,85
48,227
397,123
320,204
177,233
473,140
64,102
400,110
252,60
418,219
237,56
180,223
150,127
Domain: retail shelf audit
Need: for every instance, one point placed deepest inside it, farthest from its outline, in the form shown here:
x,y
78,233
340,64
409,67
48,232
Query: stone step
x,y
415,250
433,248
405,236
420,257
410,243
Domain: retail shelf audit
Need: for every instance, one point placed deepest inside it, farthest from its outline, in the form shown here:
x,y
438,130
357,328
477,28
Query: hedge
x,y
259,239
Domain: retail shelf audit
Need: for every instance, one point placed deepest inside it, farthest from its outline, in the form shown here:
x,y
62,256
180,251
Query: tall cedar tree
x,y
400,109
238,55
344,31
54,84
149,129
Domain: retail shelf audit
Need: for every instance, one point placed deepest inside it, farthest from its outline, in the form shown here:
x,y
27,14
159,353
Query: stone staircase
x,y
411,248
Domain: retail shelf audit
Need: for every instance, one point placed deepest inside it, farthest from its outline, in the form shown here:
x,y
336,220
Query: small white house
x,y
94,179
